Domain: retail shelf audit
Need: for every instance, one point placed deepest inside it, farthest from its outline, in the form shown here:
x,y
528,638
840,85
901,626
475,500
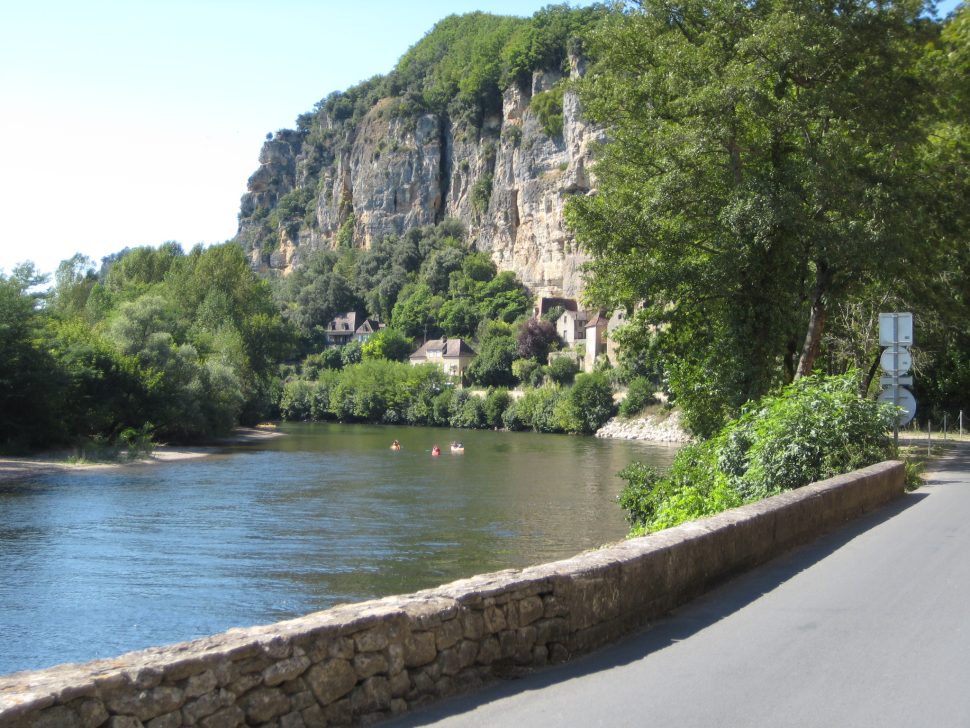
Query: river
x,y
97,563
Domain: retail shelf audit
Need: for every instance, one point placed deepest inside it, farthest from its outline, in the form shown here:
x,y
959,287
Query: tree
x,y
387,344
759,154
536,339
493,365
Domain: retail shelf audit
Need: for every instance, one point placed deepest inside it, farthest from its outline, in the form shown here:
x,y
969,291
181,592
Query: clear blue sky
x,y
133,122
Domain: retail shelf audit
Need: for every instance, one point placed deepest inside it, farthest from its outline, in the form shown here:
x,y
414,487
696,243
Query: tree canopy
x,y
766,162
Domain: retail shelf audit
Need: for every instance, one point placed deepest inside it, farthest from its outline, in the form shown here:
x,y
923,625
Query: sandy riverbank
x,y
16,468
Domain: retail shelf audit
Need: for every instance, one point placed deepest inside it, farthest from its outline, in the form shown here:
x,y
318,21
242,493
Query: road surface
x,y
869,626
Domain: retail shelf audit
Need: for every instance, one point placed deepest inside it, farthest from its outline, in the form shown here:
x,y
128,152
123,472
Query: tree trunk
x,y
816,322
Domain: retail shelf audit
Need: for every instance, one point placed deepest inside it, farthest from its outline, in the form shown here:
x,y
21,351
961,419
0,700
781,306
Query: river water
x,y
97,563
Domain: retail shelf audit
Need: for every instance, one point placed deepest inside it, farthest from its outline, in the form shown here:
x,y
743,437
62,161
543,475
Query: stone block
x,y
285,670
169,720
420,648
331,680
473,624
373,694
467,652
395,658
145,704
292,720
371,640
226,718
204,705
201,684
91,712
494,619
313,717
124,721
449,662
339,713
489,651
400,684
264,704
530,609
368,664
448,634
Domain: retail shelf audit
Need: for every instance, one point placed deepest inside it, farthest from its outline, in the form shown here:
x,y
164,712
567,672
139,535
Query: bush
x,y
589,403
639,394
496,402
813,429
562,370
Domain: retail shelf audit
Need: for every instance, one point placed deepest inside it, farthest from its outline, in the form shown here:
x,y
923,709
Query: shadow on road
x,y
690,618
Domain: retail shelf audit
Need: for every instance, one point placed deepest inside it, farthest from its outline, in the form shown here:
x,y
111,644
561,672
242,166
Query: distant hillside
x,y
476,122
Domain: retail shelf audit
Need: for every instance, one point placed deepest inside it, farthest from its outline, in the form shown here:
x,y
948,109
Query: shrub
x,y
496,402
589,403
639,394
813,429
563,369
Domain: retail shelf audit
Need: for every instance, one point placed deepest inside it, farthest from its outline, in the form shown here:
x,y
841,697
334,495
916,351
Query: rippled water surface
x,y
96,563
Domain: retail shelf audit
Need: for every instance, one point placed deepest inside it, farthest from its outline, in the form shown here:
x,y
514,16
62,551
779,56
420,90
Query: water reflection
x,y
96,563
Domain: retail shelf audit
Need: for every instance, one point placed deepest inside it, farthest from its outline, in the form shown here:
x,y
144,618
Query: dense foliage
x,y
424,285
813,429
181,346
769,165
391,392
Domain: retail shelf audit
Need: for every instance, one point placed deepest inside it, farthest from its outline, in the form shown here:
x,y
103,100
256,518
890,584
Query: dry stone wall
x,y
364,662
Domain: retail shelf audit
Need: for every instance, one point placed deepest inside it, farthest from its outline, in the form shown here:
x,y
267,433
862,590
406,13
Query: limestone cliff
x,y
350,181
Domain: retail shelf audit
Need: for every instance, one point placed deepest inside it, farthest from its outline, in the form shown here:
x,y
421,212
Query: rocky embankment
x,y
658,428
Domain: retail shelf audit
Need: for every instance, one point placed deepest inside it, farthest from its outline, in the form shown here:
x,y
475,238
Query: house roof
x,y
345,323
369,326
596,318
449,348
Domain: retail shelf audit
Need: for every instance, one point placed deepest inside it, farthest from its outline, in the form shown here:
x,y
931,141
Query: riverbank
x,y
662,426
12,468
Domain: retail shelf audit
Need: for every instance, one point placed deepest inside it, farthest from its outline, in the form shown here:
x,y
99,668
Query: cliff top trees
x,y
765,162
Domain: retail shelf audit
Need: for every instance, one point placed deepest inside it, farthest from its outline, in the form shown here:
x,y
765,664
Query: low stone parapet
x,y
362,662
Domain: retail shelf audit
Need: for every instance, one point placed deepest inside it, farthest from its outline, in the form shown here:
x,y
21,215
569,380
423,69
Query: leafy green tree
x,y
589,403
417,312
493,365
387,344
758,155
563,369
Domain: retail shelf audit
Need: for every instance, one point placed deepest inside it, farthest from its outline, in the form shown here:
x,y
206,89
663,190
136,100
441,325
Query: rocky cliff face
x,y
507,180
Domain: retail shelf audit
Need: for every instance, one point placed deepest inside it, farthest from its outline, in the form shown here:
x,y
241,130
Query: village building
x,y
350,326
571,326
367,329
595,338
452,355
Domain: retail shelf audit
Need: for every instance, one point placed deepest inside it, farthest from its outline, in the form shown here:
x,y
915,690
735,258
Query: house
x,y
452,355
595,339
340,329
350,326
571,326
368,328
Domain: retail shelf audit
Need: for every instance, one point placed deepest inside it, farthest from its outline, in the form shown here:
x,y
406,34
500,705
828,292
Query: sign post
x,y
896,334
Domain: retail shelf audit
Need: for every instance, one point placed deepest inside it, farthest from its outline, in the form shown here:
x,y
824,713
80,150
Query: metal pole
x,y
961,423
944,427
929,436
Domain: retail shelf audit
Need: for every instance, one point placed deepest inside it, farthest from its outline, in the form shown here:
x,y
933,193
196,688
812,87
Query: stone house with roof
x,y
452,355
350,326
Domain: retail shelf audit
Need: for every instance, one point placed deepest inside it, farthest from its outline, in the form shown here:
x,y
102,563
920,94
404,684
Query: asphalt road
x,y
869,626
